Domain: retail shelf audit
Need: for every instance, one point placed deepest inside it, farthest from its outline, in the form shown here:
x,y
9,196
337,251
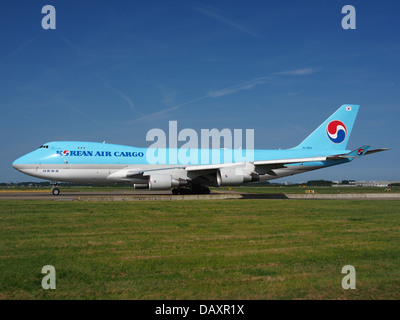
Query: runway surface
x,y
145,195
123,195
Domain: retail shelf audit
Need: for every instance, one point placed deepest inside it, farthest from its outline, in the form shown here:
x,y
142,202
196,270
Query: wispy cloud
x,y
69,43
91,119
297,72
126,98
212,13
246,85
159,114
22,46
212,94
239,87
168,96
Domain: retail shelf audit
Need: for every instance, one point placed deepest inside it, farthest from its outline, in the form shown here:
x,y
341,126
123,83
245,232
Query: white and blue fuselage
x,y
90,162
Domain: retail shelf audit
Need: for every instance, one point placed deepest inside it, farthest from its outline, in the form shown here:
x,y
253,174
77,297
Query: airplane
x,y
103,163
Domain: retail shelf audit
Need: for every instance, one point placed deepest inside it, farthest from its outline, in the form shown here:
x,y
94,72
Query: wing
x,y
238,173
233,173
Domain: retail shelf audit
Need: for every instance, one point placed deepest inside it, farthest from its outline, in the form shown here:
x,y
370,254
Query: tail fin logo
x,y
336,131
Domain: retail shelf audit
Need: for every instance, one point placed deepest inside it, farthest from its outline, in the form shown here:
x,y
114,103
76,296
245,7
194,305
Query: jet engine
x,y
164,182
236,175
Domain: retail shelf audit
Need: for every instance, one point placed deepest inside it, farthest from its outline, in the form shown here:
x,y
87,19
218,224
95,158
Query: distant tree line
x,y
394,185
319,183
347,182
41,184
25,184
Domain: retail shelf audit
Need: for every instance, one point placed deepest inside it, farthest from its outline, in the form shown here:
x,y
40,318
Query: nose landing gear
x,y
54,189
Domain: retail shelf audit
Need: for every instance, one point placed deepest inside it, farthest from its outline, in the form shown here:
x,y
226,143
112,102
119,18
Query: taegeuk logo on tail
x,y
336,131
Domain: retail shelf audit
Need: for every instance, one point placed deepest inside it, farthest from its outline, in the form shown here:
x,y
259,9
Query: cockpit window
x,y
44,146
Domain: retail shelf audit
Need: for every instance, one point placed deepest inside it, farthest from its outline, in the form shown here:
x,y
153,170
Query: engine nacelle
x,y
164,182
160,182
229,177
235,176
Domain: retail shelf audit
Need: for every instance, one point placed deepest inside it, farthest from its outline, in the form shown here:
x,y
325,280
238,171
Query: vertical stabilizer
x,y
334,133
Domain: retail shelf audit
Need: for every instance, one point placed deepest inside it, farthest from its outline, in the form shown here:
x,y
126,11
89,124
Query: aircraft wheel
x,y
184,191
55,191
175,191
196,189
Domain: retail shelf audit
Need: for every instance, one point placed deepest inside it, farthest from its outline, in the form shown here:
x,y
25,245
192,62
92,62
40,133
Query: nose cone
x,y
20,162
17,163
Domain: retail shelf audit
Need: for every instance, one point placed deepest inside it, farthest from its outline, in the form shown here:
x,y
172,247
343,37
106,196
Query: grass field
x,y
230,249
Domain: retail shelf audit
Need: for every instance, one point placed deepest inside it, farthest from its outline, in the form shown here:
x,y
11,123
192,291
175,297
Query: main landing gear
x,y
194,190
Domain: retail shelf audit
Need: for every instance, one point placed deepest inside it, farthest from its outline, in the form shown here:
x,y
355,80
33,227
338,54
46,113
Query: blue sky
x,y
113,70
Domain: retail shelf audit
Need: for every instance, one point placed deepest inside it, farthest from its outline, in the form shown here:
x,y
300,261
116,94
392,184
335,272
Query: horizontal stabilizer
x,y
357,153
377,150
353,154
